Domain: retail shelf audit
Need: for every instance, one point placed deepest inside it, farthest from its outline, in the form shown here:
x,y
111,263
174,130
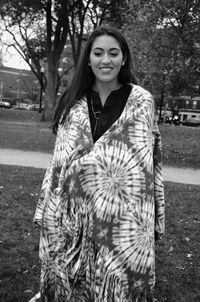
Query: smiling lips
x,y
106,68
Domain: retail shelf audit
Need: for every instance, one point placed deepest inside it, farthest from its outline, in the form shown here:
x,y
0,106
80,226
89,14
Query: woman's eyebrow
x,y
99,48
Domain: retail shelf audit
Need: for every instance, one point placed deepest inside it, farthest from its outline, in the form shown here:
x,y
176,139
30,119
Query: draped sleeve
x,y
73,133
51,177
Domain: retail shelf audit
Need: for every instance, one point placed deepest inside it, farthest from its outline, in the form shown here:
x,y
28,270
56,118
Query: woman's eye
x,y
100,53
97,54
113,54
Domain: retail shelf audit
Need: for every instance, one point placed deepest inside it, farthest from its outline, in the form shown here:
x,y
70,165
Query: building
x,y
18,85
188,107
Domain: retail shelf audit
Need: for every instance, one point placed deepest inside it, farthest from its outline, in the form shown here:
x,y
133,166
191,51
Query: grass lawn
x,y
24,130
19,263
181,146
20,129
178,254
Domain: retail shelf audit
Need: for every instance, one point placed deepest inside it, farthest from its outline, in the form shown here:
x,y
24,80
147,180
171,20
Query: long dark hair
x,y
84,78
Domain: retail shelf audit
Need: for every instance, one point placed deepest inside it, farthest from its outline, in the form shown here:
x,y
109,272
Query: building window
x,y
194,105
187,103
184,117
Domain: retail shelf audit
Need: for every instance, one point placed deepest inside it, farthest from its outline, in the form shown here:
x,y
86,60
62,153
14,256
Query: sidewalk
x,y
41,160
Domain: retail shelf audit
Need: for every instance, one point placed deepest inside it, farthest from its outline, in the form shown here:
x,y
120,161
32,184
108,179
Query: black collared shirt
x,y
108,113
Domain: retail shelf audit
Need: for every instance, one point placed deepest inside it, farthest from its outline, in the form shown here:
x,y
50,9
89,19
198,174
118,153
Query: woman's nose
x,y
106,58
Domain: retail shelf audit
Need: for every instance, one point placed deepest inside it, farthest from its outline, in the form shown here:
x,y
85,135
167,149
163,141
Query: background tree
x,y
165,44
140,29
180,23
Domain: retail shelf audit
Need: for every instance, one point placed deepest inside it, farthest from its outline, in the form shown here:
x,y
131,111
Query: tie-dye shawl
x,y
100,205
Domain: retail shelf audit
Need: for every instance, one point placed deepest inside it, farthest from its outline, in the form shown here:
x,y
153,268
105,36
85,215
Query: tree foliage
x,y
165,44
181,22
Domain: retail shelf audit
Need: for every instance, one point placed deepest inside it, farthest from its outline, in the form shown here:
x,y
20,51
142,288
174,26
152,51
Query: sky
x,y
11,57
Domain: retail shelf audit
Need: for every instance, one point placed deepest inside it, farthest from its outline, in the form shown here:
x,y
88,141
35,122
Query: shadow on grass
x,y
177,255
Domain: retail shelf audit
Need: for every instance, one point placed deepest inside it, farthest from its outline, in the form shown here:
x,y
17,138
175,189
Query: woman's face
x,y
106,59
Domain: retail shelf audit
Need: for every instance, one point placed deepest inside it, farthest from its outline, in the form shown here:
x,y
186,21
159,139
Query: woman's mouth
x,y
106,68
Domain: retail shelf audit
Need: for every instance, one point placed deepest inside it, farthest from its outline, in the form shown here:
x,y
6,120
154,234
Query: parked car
x,y
193,121
19,108
24,106
4,104
173,120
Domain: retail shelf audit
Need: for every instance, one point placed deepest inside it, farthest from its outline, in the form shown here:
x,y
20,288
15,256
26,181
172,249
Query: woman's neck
x,y
105,89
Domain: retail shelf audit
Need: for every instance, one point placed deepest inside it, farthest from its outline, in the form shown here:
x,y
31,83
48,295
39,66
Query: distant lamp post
x,y
42,71
162,94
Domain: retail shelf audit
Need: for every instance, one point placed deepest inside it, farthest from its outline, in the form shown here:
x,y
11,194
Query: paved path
x,y
41,160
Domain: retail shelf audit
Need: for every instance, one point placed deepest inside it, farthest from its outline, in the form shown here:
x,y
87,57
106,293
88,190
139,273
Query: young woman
x,y
101,205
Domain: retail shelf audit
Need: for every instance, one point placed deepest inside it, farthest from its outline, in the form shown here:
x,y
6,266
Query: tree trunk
x,y
50,91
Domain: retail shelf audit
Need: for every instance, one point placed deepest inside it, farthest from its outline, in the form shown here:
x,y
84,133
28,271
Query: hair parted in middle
x,y
83,78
